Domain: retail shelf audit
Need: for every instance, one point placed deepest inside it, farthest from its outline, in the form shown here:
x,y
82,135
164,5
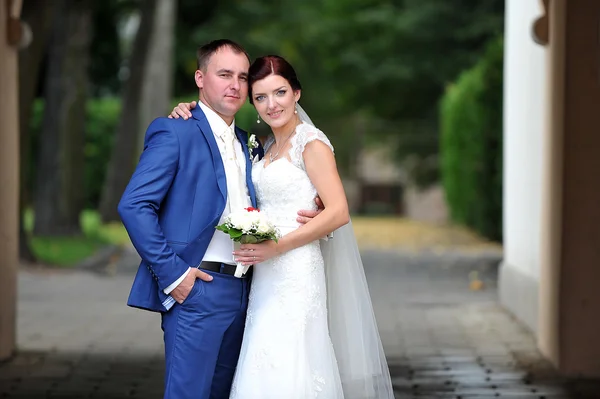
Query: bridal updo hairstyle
x,y
271,65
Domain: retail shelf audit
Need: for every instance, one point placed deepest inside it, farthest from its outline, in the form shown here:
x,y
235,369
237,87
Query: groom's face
x,y
224,84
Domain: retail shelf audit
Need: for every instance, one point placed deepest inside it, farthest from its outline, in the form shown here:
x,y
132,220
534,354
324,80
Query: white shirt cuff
x,y
170,288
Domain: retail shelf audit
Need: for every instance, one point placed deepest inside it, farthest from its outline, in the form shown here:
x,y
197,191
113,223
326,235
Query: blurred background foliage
x,y
373,74
384,61
471,145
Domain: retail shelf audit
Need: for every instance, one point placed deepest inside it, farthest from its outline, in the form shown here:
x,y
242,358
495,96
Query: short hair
x,y
271,65
206,51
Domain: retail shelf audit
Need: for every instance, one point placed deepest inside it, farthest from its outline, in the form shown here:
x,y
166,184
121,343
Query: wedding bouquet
x,y
249,226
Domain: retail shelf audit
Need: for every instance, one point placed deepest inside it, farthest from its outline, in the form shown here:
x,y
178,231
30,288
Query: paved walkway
x,y
77,338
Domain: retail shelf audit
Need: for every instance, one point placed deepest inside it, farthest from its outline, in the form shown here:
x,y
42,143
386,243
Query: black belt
x,y
219,267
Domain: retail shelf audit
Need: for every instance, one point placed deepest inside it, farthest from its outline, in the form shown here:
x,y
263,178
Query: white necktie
x,y
236,187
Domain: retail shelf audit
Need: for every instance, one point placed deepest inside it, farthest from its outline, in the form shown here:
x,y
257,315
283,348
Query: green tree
x,y
39,15
123,152
383,62
106,50
125,146
59,196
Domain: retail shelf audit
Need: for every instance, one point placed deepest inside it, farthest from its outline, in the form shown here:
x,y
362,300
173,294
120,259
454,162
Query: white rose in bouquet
x,y
235,219
246,223
264,226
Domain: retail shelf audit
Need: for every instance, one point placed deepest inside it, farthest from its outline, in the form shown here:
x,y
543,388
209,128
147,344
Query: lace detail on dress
x,y
305,133
319,384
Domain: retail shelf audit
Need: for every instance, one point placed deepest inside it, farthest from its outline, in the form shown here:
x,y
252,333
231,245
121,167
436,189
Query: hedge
x,y
471,144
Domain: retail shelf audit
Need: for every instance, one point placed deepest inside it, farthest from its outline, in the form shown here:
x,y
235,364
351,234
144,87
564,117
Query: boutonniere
x,y
252,144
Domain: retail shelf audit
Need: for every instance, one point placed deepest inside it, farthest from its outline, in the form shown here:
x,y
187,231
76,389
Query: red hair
x,y
271,65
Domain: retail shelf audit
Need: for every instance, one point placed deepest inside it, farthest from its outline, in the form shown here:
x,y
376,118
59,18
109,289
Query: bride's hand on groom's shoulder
x,y
182,110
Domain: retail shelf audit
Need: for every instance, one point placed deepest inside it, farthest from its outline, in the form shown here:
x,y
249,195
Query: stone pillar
x,y
551,201
9,185
570,274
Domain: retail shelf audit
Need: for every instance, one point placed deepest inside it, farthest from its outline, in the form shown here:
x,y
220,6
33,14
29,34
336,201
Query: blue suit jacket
x,y
173,202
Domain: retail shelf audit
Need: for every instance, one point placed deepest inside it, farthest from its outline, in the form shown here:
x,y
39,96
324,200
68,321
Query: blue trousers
x,y
203,337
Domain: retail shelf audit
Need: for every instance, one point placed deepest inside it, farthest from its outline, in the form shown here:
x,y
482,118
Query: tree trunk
x,y
39,15
158,80
59,191
123,154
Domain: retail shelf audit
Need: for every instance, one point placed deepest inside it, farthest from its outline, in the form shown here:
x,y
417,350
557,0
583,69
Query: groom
x,y
191,174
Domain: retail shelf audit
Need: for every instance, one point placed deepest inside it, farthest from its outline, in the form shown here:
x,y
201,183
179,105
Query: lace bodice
x,y
283,187
305,133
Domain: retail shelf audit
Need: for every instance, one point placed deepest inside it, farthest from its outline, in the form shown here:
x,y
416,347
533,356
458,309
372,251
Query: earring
x,y
296,108
257,118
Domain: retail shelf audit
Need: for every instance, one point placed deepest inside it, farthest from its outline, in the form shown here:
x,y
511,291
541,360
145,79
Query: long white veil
x,y
352,325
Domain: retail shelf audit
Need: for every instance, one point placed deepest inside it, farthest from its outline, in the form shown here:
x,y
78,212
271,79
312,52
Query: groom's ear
x,y
199,77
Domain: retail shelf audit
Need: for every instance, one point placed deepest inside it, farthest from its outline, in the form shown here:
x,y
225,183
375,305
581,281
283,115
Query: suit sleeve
x,y
140,203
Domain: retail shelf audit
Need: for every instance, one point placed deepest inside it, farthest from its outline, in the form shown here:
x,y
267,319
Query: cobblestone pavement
x,y
77,339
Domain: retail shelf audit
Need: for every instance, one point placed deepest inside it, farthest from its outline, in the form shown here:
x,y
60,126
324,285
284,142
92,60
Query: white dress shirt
x,y
220,247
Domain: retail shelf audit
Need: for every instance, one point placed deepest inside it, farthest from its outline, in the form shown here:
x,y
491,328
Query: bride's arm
x,y
322,171
321,168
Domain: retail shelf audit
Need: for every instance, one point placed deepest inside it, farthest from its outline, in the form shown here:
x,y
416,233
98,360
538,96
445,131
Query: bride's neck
x,y
282,132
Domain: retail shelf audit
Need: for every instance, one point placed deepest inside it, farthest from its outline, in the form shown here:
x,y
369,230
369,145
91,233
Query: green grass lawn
x,y
68,251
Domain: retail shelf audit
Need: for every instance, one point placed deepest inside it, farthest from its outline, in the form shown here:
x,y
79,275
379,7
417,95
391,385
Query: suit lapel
x,y
243,138
204,127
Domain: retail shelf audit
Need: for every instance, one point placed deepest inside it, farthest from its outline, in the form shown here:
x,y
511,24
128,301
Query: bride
x,y
310,328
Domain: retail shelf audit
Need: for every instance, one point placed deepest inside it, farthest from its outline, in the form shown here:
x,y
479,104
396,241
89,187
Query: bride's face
x,y
275,101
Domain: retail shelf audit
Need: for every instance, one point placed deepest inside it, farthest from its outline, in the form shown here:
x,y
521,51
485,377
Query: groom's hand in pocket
x,y
181,292
305,216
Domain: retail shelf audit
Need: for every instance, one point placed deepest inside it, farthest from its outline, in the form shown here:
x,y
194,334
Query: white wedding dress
x,y
287,350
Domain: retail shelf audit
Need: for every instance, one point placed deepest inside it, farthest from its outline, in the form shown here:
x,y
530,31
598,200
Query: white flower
x,y
251,222
252,143
264,227
246,225
235,219
243,220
